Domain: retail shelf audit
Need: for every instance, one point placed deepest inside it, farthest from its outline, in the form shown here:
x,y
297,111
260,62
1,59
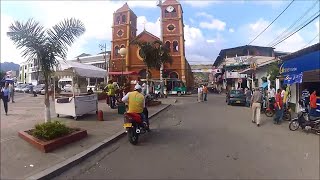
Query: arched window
x,y
122,46
116,51
175,46
173,75
143,74
168,45
118,20
124,20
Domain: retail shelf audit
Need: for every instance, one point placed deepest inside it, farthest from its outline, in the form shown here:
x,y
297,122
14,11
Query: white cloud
x,y
9,53
273,4
231,30
251,30
214,24
204,14
97,18
200,49
201,3
316,24
211,40
152,27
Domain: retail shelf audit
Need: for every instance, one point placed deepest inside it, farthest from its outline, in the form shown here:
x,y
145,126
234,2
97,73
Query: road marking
x,y
7,139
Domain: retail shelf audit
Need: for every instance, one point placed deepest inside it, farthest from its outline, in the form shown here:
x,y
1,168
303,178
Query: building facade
x,y
243,67
301,70
125,31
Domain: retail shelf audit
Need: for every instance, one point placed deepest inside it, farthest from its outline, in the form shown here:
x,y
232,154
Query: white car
x,y
67,88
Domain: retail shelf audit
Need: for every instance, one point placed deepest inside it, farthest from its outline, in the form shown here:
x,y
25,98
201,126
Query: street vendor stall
x,y
80,102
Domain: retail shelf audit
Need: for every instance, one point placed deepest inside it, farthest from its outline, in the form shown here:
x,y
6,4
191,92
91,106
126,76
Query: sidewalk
x,y
20,160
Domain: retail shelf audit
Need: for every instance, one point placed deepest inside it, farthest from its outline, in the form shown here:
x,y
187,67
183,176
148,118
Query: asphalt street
x,y
208,140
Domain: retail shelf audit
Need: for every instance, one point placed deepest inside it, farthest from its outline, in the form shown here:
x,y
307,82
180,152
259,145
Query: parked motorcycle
x,y
272,110
306,122
134,127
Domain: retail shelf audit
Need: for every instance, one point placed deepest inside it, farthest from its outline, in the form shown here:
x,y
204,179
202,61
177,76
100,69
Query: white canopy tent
x,y
79,69
78,104
70,69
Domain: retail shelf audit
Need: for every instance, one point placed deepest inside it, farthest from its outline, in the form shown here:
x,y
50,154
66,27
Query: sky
x,y
209,25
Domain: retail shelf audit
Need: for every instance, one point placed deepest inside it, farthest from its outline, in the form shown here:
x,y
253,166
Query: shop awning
x,y
124,73
311,76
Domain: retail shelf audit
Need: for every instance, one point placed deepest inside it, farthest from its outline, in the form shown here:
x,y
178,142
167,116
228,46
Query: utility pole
x,y
159,4
103,48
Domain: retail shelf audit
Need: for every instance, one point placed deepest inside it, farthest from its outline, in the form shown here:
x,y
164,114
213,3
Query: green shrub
x,y
50,130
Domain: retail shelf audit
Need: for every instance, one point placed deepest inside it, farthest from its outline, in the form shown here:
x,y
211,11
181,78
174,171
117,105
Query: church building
x,y
124,31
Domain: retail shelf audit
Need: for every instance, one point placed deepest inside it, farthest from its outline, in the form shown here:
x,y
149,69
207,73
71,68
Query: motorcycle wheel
x,y
269,113
317,129
133,136
294,125
287,116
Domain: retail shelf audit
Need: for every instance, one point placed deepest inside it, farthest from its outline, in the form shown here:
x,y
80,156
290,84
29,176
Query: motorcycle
x,y
134,127
269,112
306,122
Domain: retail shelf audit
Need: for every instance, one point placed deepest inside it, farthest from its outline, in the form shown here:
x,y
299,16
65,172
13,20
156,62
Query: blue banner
x,y
301,64
293,78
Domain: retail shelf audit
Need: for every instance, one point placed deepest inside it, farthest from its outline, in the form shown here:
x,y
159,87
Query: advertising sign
x,y
293,78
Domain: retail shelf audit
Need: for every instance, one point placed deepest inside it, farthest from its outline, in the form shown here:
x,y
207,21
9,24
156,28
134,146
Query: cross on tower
x,y
144,25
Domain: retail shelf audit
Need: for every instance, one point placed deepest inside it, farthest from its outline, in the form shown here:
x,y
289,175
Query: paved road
x,y
207,141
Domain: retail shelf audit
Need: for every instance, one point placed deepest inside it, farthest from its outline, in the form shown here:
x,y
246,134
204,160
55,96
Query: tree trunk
x,y
147,77
47,116
161,79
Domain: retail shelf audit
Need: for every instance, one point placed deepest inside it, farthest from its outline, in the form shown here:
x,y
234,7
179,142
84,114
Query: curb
x,y
59,168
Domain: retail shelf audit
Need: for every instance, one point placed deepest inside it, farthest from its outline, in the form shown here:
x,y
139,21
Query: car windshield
x,y
236,92
23,86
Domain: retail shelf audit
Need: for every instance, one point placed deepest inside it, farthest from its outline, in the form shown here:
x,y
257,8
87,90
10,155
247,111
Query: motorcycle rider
x,y
137,103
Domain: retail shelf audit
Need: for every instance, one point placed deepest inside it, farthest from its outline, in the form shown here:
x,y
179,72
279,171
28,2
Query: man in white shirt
x,y
272,94
200,90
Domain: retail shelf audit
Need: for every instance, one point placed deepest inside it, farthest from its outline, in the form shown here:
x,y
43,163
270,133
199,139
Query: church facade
x,y
124,31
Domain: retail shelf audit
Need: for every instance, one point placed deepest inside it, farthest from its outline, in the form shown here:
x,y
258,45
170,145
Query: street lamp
x,y
122,52
103,48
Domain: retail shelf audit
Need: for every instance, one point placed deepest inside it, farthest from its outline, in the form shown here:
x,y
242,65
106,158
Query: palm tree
x,y
45,45
154,55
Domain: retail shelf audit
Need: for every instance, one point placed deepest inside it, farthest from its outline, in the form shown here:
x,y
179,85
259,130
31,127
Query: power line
x,y
310,41
272,21
299,26
297,30
292,25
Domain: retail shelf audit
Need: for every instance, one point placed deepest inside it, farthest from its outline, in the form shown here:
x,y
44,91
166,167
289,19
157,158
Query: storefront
x,y
301,70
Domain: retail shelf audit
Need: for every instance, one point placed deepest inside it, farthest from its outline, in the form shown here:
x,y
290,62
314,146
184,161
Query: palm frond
x,y
28,36
64,34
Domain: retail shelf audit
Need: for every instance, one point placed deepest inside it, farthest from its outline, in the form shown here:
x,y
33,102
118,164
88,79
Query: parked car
x,y
28,88
43,91
236,97
67,88
37,89
20,87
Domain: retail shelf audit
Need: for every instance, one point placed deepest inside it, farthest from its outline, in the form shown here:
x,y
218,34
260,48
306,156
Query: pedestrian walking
x,y
5,92
256,106
205,92
11,88
313,104
199,94
248,94
279,108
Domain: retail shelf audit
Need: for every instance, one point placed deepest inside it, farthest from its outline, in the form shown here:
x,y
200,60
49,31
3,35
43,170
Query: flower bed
x,y
51,135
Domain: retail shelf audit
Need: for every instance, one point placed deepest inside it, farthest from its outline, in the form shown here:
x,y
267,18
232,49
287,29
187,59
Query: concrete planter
x,y
48,146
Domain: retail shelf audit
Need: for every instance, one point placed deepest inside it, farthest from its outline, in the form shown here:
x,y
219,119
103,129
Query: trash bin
x,y
121,108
